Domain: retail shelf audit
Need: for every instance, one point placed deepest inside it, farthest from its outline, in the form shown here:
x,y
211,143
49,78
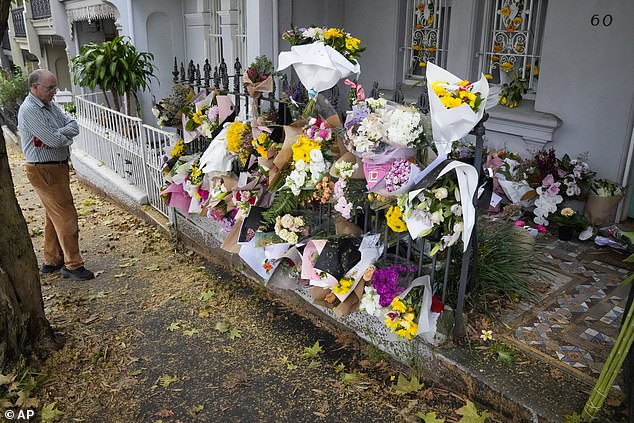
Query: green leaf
x,y
191,332
197,409
291,366
404,386
312,352
222,327
429,417
352,378
207,295
153,268
50,413
470,414
628,279
234,333
173,326
340,367
166,380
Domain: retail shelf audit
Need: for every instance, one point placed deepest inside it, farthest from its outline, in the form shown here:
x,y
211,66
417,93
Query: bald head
x,y
43,85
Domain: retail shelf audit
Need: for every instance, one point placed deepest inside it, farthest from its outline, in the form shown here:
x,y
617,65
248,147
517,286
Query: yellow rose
x,y
517,21
507,66
505,11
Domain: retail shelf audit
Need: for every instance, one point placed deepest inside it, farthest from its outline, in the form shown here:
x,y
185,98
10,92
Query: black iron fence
x,y
18,22
40,9
398,247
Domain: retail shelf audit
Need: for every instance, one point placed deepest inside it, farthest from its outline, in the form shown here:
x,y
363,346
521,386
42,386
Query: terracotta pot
x,y
565,233
599,210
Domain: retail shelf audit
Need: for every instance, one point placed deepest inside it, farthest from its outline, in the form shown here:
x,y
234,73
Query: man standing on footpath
x,y
46,133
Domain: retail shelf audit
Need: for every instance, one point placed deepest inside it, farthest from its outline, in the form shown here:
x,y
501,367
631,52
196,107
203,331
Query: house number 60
x,y
595,20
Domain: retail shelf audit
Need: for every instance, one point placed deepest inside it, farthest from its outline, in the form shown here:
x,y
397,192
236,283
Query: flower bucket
x,y
600,210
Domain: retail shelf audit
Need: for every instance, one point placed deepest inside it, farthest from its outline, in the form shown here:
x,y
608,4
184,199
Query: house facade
x,y
576,55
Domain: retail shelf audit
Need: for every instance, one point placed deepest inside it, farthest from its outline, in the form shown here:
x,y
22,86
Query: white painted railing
x,y
124,144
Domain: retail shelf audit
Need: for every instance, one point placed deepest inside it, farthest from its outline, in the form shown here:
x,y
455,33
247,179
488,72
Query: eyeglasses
x,y
51,89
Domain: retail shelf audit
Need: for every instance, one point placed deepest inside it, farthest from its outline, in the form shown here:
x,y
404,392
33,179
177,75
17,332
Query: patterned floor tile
x,y
595,336
575,305
615,300
591,291
554,319
574,356
530,336
613,317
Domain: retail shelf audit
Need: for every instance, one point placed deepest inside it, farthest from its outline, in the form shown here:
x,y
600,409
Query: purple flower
x,y
386,282
213,113
359,112
226,224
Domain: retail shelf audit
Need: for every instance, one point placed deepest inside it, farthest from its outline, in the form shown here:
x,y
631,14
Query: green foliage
x,y
512,92
404,385
50,413
504,267
283,203
13,88
573,418
113,66
312,352
505,355
470,414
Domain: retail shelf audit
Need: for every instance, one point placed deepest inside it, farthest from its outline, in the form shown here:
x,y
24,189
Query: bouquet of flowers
x,y
308,163
320,57
456,105
606,188
378,130
289,228
168,110
205,117
258,77
437,208
240,140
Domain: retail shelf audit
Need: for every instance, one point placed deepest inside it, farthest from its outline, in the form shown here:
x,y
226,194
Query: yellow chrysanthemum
x,y
398,305
302,148
196,176
179,149
196,117
343,286
352,44
234,136
394,218
505,11
333,33
517,21
438,89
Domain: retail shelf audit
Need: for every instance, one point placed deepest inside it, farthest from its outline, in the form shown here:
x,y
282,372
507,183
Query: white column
x,y
229,27
261,33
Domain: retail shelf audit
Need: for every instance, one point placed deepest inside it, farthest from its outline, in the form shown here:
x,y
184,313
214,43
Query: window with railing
x,y
238,38
40,9
427,36
511,41
17,15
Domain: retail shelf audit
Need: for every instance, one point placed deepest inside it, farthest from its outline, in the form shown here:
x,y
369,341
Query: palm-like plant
x,y
114,66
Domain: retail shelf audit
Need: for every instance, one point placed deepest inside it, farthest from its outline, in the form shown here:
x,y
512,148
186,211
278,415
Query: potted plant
x,y
603,199
568,221
114,66
512,91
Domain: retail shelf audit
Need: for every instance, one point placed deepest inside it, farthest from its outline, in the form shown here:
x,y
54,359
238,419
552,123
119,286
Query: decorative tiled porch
x,y
576,316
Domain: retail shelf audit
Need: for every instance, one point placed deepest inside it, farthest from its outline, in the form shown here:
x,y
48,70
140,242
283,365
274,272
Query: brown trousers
x,y
61,231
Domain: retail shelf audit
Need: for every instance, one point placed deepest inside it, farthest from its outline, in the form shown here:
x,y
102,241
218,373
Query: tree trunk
x,y
127,104
23,325
117,100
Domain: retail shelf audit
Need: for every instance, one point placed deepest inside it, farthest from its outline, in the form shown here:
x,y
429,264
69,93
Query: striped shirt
x,y
46,131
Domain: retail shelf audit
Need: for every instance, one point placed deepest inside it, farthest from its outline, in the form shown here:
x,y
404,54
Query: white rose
x,y
458,227
298,222
292,238
284,234
287,221
441,193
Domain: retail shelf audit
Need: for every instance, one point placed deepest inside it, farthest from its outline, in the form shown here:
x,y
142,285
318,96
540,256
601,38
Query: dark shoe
x,y
79,274
50,268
